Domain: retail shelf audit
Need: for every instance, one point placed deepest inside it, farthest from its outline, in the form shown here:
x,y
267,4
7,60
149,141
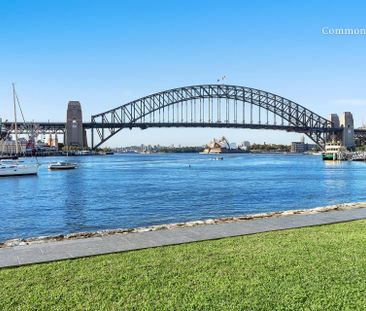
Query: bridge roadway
x,y
60,127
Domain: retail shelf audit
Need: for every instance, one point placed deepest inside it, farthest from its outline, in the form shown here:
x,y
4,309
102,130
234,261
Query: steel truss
x,y
212,105
39,127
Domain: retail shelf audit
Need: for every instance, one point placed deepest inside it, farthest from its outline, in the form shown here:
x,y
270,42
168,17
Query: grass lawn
x,y
318,268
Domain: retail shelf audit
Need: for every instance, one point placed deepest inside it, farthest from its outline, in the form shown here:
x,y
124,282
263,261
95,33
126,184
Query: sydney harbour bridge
x,y
210,106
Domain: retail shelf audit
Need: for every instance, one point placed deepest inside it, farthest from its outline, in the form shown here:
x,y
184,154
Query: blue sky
x,y
107,53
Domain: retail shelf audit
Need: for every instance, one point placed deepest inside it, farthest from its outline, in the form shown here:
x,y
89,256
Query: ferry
x,y
334,151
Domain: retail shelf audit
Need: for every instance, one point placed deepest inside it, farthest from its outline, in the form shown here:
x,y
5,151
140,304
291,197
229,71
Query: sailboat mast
x,y
15,122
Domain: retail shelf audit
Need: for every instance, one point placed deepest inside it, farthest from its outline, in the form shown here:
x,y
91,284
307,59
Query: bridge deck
x,y
143,125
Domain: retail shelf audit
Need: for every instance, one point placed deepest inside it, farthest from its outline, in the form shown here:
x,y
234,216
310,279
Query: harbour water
x,y
134,190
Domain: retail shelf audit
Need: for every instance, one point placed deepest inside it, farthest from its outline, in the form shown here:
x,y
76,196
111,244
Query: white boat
x,y
17,167
62,166
335,151
9,161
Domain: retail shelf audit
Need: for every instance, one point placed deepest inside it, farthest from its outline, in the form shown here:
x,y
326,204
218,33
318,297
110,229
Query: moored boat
x,y
334,151
10,166
17,169
62,166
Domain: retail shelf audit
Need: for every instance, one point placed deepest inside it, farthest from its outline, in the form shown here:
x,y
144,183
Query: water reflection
x,y
74,201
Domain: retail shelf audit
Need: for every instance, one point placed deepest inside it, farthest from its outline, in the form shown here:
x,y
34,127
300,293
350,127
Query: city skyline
x,y
57,52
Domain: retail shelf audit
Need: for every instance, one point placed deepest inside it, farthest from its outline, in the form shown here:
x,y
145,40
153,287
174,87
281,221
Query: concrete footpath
x,y
67,249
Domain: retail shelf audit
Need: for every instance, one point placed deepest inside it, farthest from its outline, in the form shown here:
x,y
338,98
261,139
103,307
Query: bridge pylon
x,y
75,134
346,133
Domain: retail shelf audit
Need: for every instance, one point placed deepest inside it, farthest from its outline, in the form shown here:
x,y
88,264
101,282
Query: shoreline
x,y
193,223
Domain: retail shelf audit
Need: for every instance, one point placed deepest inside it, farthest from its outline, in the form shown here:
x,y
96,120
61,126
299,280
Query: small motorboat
x,y
62,166
219,158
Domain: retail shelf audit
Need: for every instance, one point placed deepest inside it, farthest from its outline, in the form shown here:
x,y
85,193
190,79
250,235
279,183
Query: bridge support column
x,y
346,125
334,136
92,138
346,122
75,135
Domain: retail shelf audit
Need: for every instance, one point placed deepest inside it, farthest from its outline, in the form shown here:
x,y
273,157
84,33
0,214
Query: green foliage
x,y
74,148
181,149
70,148
361,148
270,148
315,149
316,268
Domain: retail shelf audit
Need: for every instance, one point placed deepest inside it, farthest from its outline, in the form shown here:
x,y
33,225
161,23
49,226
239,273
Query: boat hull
x,y
18,170
328,157
61,168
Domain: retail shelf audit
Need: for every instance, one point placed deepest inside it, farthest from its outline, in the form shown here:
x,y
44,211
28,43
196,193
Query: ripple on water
x,y
131,190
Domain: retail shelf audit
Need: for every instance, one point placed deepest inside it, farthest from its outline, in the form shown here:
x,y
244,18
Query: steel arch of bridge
x,y
212,105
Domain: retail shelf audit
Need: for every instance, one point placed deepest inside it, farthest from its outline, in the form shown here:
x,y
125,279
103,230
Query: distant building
x,y
300,147
297,147
245,145
222,145
8,146
53,142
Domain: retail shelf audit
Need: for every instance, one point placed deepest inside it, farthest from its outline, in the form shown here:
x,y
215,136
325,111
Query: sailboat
x,y
16,167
